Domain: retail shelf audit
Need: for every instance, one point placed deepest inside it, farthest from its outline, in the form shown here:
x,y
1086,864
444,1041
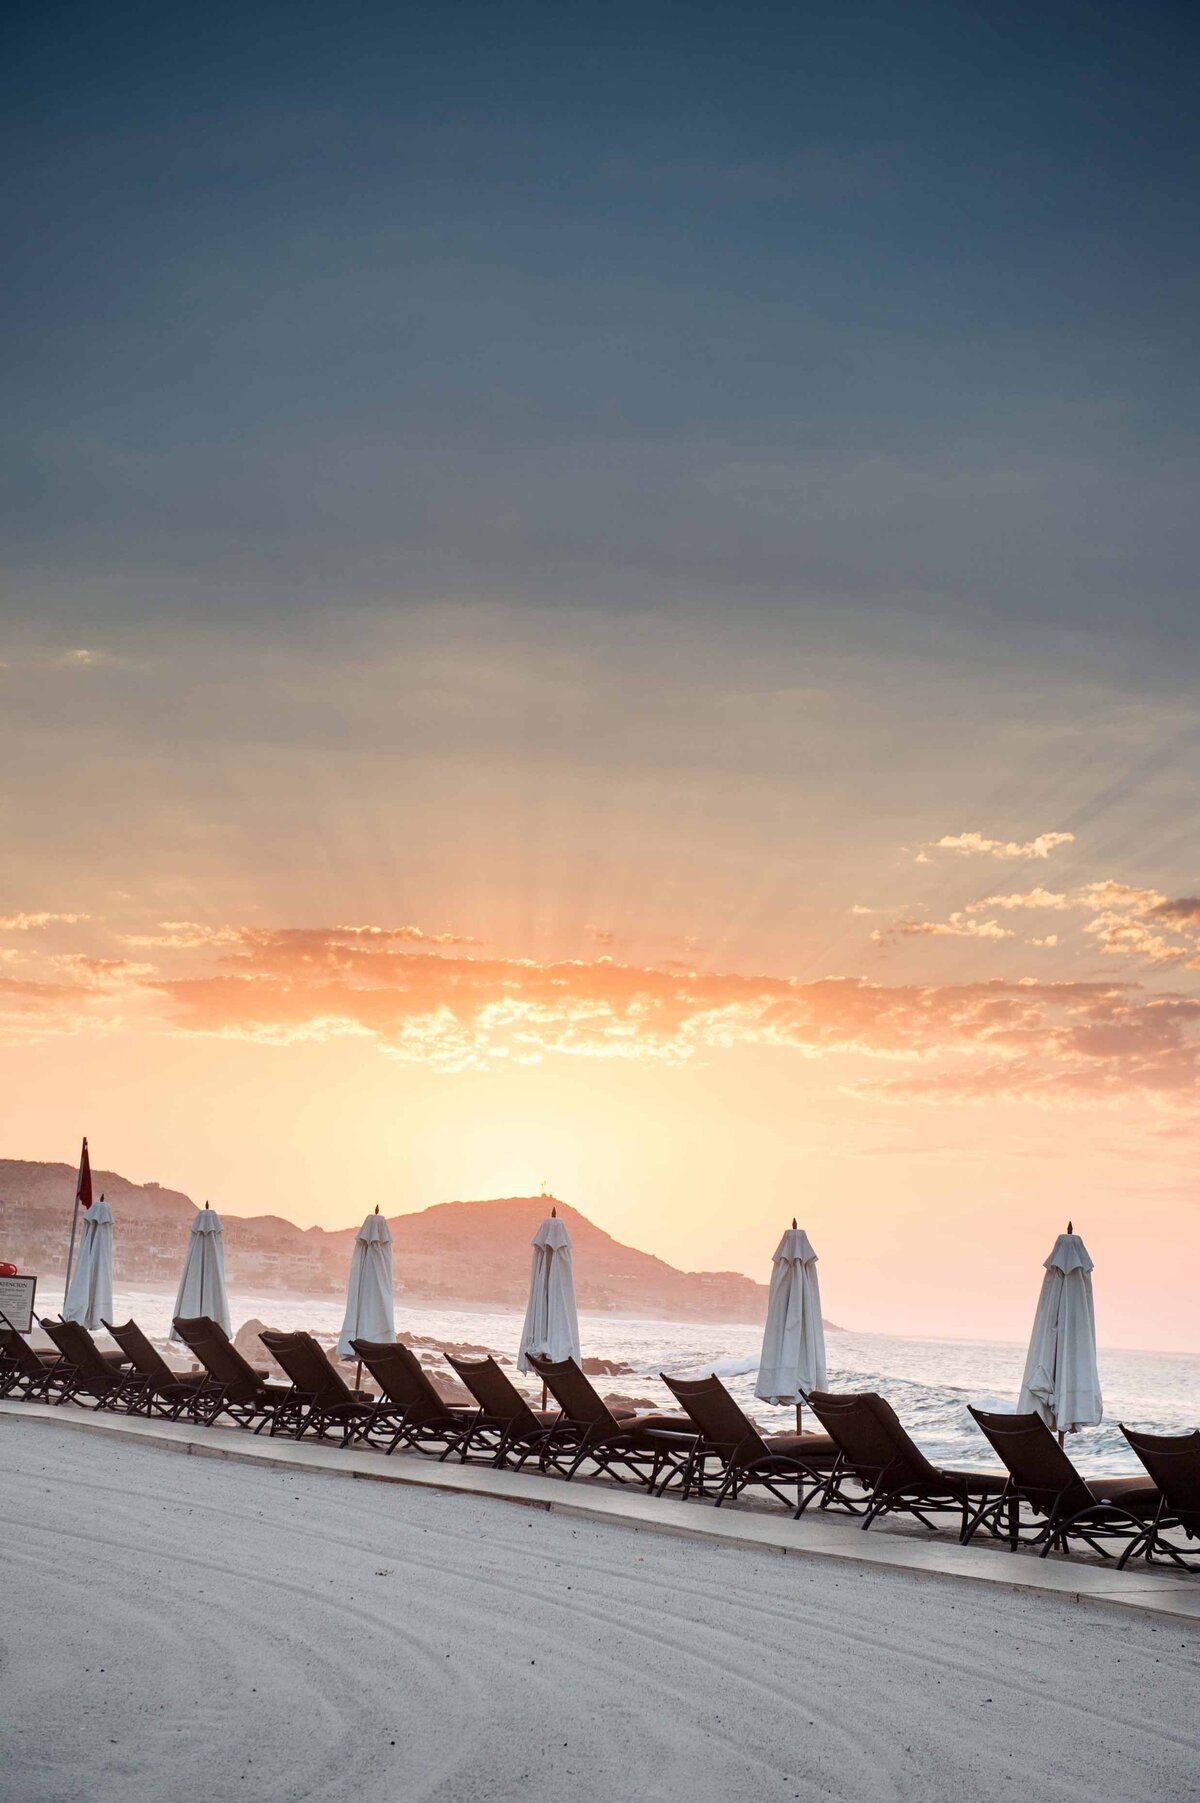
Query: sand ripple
x,y
175,1629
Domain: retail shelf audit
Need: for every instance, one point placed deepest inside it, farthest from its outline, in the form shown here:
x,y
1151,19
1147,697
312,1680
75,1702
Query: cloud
x,y
959,926
108,974
184,935
191,935
452,1009
1128,921
27,923
86,995
972,844
1064,1040
1031,898
1121,935
1105,1050
1182,912
1110,894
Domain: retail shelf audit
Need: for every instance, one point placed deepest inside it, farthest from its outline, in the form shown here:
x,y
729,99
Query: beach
x,y
929,1382
178,1627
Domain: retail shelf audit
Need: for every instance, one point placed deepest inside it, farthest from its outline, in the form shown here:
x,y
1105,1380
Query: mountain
x,y
476,1252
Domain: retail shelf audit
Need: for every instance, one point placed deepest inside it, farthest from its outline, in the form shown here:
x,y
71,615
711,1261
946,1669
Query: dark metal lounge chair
x,y
1063,1504
507,1425
653,1448
893,1470
163,1392
321,1400
744,1456
1173,1461
25,1372
85,1371
411,1410
236,1389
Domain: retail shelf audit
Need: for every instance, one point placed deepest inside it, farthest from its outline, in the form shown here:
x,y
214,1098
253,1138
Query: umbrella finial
x,y
554,1214
377,1208
206,1202
793,1223
1070,1226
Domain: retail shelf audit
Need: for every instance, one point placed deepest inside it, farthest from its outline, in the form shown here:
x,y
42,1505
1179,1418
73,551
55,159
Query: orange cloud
x,y
959,926
1183,912
422,1001
26,923
80,1000
1031,898
191,935
971,844
1018,1038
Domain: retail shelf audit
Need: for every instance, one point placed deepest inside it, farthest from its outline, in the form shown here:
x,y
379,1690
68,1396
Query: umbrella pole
x,y
1061,1436
358,1376
544,1392
799,1413
71,1250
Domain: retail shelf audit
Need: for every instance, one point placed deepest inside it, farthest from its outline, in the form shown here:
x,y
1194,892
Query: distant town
x,y
475,1252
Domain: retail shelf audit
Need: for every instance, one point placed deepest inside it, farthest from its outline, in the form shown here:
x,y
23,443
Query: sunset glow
x,y
639,644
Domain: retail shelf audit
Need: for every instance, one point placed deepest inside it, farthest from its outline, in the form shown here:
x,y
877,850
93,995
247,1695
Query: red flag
x,y
83,1188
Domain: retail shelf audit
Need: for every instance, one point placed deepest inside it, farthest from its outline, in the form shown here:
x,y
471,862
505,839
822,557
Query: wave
x,y
724,1368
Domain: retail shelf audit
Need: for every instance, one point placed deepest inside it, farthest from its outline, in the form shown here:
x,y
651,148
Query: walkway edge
x,y
1163,1596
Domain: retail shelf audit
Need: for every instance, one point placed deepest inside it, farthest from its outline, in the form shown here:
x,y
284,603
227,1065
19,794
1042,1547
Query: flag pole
x,y
83,1194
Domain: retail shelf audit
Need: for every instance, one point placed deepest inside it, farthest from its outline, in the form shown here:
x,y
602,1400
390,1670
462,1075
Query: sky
x,y
604,596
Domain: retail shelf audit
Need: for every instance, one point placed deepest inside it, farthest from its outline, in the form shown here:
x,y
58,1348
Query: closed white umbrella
x,y
89,1294
370,1314
202,1286
1061,1382
793,1348
551,1327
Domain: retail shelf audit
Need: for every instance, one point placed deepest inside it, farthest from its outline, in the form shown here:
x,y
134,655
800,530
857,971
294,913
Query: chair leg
x,y
730,1482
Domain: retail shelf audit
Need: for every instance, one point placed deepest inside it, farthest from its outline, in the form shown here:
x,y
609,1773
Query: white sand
x,y
177,1630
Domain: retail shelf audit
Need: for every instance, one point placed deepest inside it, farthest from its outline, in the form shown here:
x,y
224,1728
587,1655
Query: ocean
x,y
928,1382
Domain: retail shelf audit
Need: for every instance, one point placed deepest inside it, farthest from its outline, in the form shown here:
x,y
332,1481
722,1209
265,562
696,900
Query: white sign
x,y
16,1301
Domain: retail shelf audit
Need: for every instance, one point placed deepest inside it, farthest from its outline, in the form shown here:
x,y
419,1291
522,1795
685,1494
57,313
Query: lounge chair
x,y
1064,1504
164,1392
411,1410
1173,1461
84,1370
236,1388
321,1399
506,1423
891,1468
652,1448
36,1376
747,1457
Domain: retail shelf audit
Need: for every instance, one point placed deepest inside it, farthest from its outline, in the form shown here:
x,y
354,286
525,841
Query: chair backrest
x,y
17,1353
302,1359
1037,1464
722,1423
141,1354
871,1438
1173,1461
496,1393
219,1356
403,1379
574,1393
78,1348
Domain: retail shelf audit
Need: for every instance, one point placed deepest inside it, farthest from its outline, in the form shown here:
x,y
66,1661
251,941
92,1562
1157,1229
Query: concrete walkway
x,y
1160,1593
